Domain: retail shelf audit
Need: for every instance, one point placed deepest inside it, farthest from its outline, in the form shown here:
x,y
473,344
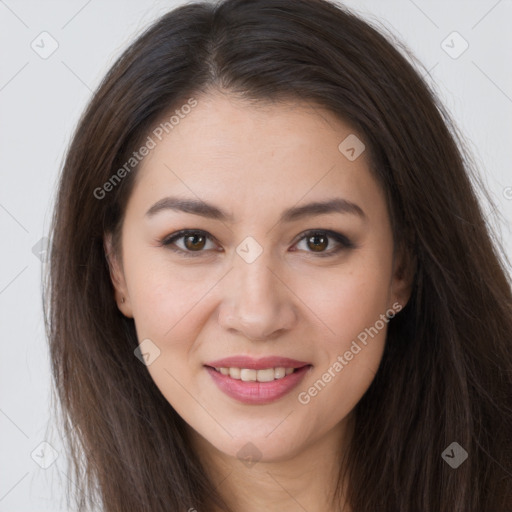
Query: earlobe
x,y
117,277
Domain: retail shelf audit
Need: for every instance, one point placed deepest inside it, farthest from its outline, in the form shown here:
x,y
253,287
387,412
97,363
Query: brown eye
x,y
317,242
189,242
194,242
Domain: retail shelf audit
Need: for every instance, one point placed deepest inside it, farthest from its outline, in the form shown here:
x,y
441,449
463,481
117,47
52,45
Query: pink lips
x,y
257,393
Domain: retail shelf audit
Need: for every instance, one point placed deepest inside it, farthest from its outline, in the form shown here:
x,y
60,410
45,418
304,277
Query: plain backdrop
x,y
40,102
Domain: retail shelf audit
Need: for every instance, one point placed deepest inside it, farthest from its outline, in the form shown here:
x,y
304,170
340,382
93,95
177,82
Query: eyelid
x,y
343,241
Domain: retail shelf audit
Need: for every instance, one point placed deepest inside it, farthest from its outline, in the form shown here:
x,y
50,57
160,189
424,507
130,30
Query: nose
x,y
257,302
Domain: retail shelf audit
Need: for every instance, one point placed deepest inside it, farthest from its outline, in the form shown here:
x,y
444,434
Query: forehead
x,y
254,154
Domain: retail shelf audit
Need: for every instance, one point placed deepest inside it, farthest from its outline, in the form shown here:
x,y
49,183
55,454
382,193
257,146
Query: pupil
x,y
315,238
193,245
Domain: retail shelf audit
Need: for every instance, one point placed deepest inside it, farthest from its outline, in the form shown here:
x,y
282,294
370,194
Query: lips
x,y
257,393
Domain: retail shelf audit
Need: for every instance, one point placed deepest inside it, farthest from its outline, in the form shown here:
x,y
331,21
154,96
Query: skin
x,y
254,162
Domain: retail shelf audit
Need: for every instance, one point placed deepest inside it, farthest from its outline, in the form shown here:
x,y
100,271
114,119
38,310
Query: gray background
x,y
41,100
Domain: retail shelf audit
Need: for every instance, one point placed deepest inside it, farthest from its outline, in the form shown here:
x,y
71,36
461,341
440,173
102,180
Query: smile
x,y
257,387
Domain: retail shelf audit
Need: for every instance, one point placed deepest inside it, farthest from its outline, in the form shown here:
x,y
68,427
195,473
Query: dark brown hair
x,y
446,372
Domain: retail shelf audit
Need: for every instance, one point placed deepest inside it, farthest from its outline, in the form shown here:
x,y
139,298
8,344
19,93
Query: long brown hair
x,y
446,372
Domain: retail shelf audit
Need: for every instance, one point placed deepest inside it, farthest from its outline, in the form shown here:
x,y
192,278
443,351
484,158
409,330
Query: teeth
x,y
234,373
250,375
279,373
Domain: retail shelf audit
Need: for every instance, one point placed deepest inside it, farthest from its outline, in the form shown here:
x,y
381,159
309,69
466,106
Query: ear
x,y
404,270
117,277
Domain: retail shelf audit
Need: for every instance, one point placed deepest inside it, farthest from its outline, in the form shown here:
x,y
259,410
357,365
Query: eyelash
x,y
344,242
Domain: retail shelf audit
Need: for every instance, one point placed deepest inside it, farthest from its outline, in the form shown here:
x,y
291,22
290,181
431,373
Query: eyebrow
x,y
204,209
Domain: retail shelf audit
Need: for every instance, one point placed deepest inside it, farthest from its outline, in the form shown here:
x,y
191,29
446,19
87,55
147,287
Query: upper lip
x,y
256,364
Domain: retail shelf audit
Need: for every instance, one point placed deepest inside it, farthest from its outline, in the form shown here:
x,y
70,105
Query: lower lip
x,y
257,393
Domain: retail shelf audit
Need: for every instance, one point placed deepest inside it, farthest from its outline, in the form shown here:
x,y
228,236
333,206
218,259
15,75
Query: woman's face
x,y
254,282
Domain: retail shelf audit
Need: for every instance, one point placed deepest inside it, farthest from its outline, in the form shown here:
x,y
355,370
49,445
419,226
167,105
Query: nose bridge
x,y
256,304
255,279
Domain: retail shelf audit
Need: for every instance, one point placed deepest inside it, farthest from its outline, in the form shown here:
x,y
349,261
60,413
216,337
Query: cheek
x,y
169,304
352,303
350,358
163,293
349,299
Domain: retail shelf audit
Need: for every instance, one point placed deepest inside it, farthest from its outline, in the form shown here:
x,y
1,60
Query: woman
x,y
271,284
